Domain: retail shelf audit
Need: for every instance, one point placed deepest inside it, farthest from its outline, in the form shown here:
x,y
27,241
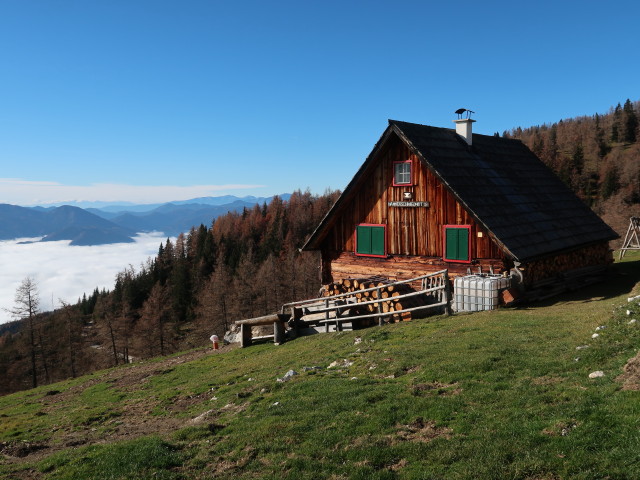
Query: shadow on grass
x,y
620,279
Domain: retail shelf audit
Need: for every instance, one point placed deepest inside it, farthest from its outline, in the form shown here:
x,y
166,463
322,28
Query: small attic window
x,y
402,173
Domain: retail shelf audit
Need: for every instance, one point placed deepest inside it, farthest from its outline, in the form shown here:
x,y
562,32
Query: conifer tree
x,y
615,126
610,183
577,159
630,122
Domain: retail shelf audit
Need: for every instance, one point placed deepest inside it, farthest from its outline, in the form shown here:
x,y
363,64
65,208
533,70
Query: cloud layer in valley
x,y
27,192
65,272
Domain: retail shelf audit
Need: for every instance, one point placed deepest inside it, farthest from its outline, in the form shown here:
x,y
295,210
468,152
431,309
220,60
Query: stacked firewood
x,y
385,298
552,269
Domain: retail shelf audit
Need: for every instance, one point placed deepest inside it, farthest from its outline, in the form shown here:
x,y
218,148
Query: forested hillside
x,y
597,156
246,264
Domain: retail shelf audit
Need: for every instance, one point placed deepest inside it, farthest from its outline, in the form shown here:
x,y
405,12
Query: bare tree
x,y
27,304
151,336
105,320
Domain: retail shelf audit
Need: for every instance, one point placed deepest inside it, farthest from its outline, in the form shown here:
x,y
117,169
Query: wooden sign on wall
x,y
409,204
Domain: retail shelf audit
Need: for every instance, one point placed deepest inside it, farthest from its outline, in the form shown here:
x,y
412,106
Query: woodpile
x,y
377,294
552,269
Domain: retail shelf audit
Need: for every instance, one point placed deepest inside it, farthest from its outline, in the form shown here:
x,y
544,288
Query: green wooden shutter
x,y
370,240
457,244
363,236
377,240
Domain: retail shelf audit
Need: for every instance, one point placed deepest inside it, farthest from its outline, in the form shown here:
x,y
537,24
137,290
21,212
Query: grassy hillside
x,y
501,394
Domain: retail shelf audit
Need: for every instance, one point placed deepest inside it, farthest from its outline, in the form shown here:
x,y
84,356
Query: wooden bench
x,y
277,320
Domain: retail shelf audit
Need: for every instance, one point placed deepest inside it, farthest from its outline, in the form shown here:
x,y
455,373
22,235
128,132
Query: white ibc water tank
x,y
473,293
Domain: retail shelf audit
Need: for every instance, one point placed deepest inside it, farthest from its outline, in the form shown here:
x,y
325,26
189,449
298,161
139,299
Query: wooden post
x,y
294,319
379,297
447,293
278,332
245,335
326,316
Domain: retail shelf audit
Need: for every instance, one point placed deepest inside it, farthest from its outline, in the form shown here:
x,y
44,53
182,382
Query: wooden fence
x,y
434,293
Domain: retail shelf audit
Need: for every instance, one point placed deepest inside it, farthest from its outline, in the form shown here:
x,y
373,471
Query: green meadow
x,y
504,394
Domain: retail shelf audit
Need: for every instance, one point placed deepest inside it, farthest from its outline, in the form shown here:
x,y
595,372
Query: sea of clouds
x,y
66,272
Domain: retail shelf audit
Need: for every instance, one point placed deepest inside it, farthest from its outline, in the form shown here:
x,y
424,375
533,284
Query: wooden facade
x,y
409,230
414,235
486,192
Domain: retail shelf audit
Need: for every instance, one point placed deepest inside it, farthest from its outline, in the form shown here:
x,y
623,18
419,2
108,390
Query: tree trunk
x,y
34,373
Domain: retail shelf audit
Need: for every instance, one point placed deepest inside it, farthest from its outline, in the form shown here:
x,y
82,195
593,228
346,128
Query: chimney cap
x,y
462,111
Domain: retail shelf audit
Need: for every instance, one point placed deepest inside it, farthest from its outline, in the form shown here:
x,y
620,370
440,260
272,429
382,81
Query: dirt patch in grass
x,y
20,449
546,380
420,430
399,465
561,429
225,465
436,388
630,378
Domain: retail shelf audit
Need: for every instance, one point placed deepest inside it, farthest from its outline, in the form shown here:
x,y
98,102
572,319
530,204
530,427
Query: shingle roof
x,y
523,205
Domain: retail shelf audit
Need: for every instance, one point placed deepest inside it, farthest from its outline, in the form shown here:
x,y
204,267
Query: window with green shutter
x,y
370,240
456,243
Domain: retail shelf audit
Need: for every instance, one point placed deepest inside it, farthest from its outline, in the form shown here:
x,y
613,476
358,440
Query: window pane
x,y
402,173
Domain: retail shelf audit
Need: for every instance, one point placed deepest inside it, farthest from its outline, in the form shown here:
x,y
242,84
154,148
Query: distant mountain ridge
x,y
146,207
117,223
173,218
60,223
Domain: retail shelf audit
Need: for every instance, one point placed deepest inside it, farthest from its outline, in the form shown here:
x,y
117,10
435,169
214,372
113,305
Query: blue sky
x,y
151,101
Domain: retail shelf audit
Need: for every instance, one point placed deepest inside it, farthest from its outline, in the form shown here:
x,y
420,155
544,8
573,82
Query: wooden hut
x,y
428,198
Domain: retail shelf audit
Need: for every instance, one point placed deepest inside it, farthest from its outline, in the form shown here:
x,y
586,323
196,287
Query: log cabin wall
x,y
415,232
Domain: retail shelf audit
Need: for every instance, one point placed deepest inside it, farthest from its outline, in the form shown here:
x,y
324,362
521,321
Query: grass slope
x,y
502,394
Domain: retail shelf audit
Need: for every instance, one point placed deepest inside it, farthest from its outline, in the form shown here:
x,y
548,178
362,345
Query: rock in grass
x,y
595,335
340,364
287,376
582,347
632,321
601,327
201,418
596,374
308,369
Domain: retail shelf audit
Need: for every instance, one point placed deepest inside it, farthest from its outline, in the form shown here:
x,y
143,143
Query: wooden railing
x,y
435,285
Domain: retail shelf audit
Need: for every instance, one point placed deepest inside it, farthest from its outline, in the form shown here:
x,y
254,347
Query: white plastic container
x,y
474,293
